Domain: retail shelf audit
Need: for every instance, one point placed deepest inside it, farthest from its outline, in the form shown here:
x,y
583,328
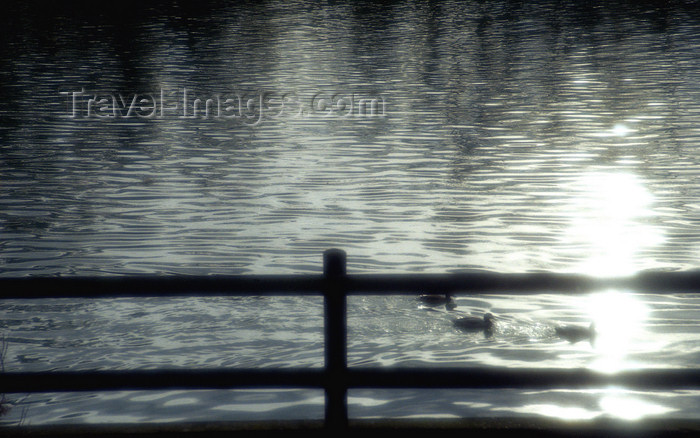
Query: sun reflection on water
x,y
609,220
620,130
610,224
619,318
611,402
618,403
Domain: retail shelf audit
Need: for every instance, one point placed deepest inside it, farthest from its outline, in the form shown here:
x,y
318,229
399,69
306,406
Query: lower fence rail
x,y
379,378
335,378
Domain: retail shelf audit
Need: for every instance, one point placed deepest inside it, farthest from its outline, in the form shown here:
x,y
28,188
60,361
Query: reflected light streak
x,y
560,412
612,402
619,321
619,404
606,221
620,130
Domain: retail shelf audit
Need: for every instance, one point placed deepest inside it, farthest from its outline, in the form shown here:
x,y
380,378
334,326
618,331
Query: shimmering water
x,y
420,137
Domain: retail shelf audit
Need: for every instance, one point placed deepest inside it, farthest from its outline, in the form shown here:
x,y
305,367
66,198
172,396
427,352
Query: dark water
x,y
438,136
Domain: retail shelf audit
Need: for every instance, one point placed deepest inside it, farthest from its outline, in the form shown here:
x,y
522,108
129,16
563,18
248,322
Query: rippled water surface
x,y
420,137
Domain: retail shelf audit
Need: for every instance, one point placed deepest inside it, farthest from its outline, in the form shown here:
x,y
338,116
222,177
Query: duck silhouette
x,y
474,324
439,299
576,333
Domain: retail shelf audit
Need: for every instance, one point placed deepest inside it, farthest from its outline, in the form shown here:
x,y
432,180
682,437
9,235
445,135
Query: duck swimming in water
x,y
575,333
472,323
438,299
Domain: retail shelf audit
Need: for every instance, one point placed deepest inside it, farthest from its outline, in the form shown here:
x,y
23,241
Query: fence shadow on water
x,y
336,377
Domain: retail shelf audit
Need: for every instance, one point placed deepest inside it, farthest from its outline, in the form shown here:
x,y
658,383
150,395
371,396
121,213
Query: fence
x,y
336,378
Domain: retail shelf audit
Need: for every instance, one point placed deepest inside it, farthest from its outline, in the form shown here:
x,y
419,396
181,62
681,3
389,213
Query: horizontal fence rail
x,y
335,378
357,284
474,378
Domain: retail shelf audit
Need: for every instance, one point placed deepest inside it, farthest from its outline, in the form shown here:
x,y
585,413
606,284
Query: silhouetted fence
x,y
336,378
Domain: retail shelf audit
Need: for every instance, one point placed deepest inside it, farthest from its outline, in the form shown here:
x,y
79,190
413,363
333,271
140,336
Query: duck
x,y
438,299
473,323
576,333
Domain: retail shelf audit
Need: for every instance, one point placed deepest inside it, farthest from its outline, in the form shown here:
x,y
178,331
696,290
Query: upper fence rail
x,y
355,284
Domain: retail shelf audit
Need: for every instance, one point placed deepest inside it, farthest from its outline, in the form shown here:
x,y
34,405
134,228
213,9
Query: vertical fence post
x,y
335,314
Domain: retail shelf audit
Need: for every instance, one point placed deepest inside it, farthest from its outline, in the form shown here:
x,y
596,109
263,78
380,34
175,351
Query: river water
x,y
437,136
